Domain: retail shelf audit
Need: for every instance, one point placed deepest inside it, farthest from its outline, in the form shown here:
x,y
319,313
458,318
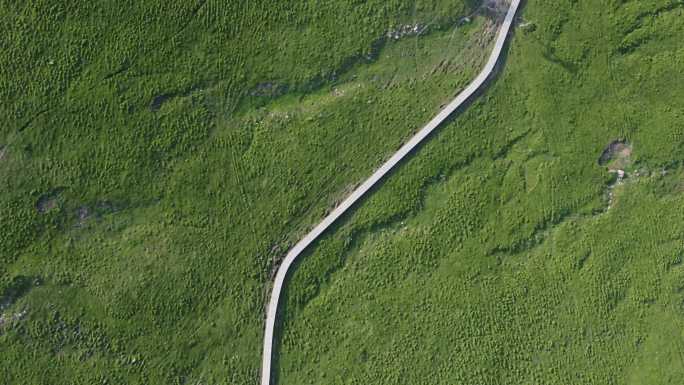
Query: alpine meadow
x,y
159,159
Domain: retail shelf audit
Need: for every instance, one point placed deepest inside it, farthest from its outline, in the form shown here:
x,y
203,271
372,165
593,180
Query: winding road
x,y
370,182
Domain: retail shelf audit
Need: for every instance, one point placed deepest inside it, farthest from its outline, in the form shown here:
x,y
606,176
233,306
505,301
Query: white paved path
x,y
369,183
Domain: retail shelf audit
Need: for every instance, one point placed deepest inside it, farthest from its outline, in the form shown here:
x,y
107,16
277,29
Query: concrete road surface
x,y
369,183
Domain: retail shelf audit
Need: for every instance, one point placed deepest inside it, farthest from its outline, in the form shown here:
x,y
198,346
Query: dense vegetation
x,y
159,157
504,252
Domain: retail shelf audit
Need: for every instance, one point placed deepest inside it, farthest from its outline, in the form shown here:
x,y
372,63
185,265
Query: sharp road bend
x,y
370,182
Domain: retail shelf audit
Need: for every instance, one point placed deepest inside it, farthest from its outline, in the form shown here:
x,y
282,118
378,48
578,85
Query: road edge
x,y
360,191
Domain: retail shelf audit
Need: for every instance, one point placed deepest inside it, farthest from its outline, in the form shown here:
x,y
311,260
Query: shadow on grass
x,y
17,288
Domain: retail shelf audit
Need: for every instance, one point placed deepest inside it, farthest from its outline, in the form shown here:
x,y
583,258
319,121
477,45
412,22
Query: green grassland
x,y
502,252
158,158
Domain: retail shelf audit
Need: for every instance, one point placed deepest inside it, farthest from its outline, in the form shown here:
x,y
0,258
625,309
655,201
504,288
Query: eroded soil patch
x,y
616,156
48,201
82,214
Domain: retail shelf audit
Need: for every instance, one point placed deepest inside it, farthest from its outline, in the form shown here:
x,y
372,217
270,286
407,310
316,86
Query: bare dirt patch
x,y
616,156
82,214
46,203
49,200
496,9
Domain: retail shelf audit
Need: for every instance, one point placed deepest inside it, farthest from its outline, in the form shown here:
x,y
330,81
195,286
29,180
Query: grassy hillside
x,y
160,157
504,252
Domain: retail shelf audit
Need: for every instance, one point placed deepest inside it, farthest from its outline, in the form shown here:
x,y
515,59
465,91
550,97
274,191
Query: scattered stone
x,y
527,26
463,21
495,9
620,180
8,319
406,30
